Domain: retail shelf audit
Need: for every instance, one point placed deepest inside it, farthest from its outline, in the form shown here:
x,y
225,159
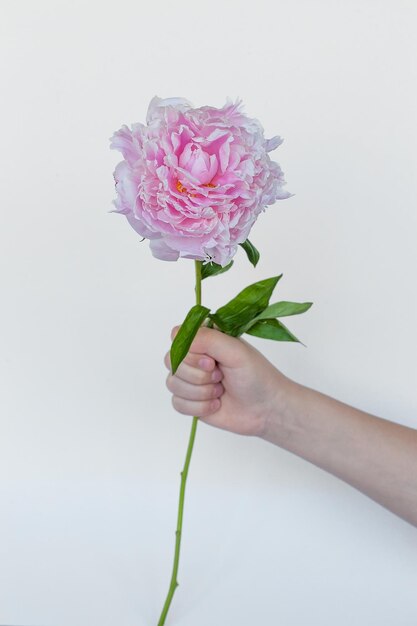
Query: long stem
x,y
174,582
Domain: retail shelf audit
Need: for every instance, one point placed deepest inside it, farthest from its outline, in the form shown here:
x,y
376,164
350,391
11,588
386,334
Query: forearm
x,y
374,455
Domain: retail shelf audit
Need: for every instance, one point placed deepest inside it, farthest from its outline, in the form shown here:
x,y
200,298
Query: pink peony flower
x,y
194,180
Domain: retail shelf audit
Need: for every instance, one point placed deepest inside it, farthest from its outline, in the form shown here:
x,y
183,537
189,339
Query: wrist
x,y
280,419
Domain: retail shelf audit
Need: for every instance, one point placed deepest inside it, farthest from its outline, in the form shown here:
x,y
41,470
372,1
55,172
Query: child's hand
x,y
227,383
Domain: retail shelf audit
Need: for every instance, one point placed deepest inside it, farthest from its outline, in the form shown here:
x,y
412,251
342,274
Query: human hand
x,y
227,383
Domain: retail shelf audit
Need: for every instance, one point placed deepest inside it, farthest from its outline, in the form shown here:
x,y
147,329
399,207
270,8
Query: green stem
x,y
198,282
174,582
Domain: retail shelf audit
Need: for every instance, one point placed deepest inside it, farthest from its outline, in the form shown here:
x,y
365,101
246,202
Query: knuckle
x,y
167,360
209,392
178,405
200,377
190,358
182,370
174,331
207,408
218,390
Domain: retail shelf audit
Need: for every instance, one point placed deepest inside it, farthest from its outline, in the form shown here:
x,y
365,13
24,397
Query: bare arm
x,y
231,385
374,455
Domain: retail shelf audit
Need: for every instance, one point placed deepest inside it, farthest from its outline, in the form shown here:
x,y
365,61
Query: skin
x,y
229,384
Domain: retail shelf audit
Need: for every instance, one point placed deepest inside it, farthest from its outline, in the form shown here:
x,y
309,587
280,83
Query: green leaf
x,y
212,269
235,315
251,251
272,329
281,309
188,330
278,309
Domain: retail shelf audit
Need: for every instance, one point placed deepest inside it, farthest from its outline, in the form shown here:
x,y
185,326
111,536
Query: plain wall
x,y
90,447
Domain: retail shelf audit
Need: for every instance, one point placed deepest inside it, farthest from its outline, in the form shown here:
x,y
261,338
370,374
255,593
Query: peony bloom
x,y
194,180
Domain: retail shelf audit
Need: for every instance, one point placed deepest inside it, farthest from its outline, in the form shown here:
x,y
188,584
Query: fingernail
x,y
218,389
216,376
205,364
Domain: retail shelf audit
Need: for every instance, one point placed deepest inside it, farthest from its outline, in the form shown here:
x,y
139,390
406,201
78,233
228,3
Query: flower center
x,y
183,189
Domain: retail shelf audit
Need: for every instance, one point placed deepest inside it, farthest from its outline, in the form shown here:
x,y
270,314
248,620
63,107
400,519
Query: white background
x,y
90,448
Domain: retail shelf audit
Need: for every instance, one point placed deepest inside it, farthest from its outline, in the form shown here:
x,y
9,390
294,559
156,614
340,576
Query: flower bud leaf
x,y
272,329
252,253
212,269
235,315
188,330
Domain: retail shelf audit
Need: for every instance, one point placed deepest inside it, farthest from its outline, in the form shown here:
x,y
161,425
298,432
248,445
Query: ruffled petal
x,y
161,251
157,105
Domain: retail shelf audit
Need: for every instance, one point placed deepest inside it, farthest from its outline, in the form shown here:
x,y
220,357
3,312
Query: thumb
x,y
226,350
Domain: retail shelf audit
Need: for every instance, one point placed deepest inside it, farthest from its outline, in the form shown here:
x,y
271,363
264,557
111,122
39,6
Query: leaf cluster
x,y
248,312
